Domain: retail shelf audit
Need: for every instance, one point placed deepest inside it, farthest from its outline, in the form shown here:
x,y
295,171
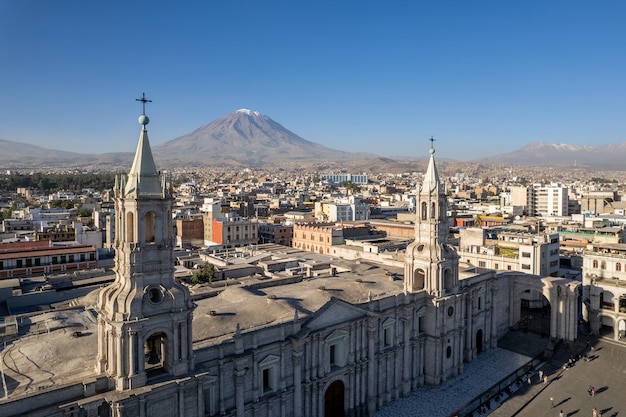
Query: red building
x,y
28,258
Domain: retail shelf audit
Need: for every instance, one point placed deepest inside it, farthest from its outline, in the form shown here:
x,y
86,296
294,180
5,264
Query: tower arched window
x,y
595,263
432,210
150,224
424,209
603,265
618,267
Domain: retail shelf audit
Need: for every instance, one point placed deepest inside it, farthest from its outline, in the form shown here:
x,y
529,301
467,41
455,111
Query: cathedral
x,y
342,339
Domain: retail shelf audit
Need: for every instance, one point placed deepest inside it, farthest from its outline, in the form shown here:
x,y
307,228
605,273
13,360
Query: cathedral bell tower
x,y
431,264
144,317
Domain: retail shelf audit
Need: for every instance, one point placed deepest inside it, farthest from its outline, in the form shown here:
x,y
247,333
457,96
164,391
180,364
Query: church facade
x,y
344,339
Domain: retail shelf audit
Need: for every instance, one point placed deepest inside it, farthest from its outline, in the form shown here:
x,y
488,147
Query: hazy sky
x,y
482,77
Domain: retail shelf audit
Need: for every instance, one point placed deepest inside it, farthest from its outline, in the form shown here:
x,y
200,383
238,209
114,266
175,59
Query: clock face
x,y
450,311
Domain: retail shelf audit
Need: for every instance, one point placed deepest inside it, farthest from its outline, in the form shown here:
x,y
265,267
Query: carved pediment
x,y
333,313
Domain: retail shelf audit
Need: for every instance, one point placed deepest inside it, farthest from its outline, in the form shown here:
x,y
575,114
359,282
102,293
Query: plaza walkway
x,y
567,387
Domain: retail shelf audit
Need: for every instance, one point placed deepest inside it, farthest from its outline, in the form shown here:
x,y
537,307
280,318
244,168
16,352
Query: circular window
x,y
450,311
155,295
449,352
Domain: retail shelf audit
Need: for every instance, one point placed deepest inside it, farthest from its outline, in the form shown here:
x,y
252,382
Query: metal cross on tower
x,y
143,100
432,141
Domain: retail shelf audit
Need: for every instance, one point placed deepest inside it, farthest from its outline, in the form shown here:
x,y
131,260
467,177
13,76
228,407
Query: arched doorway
x,y
154,353
535,313
334,399
479,341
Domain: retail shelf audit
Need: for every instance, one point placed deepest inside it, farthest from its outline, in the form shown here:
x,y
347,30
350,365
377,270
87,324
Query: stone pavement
x,y
568,387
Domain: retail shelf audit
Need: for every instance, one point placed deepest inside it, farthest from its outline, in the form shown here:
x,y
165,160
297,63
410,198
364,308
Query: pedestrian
x,y
545,379
561,413
594,412
552,402
529,381
540,375
593,391
589,390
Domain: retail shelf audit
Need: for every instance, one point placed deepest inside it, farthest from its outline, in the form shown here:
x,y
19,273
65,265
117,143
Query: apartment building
x,y
541,200
604,289
234,231
511,249
317,237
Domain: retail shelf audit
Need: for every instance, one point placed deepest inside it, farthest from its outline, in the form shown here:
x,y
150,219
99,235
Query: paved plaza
x,y
606,371
568,387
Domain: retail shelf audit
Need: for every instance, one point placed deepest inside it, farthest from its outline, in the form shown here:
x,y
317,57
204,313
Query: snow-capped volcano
x,y
246,137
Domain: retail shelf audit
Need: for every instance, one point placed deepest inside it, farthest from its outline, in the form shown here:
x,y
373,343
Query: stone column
x,y
239,394
297,383
121,352
101,359
176,344
200,394
493,321
371,366
221,388
132,353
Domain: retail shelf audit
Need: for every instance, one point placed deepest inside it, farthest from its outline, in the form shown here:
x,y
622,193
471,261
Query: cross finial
x,y
143,100
432,140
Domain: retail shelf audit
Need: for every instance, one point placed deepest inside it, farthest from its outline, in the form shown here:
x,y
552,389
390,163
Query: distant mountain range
x,y
246,138
610,157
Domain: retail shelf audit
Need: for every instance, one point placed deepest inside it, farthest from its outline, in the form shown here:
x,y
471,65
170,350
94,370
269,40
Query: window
x,y
336,349
508,267
389,332
603,265
618,267
55,260
268,374
496,266
37,261
526,267
525,254
209,396
595,263
482,264
29,263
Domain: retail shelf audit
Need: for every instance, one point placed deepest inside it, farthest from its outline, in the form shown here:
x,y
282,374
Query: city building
x,y
604,292
338,179
511,249
317,336
44,257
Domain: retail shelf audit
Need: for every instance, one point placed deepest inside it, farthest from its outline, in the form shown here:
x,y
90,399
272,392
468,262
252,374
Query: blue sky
x,y
482,77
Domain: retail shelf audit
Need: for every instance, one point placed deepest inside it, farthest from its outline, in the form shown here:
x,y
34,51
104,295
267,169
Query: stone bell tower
x,y
431,268
431,264
144,317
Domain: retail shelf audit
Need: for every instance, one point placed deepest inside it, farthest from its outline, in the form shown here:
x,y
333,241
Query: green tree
x,y
478,221
204,274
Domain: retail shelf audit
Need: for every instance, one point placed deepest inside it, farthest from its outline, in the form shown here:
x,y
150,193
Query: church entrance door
x,y
479,341
333,400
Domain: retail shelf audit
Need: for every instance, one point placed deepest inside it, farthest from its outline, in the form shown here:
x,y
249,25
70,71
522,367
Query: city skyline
x,y
482,79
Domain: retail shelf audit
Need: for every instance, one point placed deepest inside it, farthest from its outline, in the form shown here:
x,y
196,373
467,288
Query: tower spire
x,y
143,178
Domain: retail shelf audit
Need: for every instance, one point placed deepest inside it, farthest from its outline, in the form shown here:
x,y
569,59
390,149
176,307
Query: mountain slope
x,y
245,137
612,156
